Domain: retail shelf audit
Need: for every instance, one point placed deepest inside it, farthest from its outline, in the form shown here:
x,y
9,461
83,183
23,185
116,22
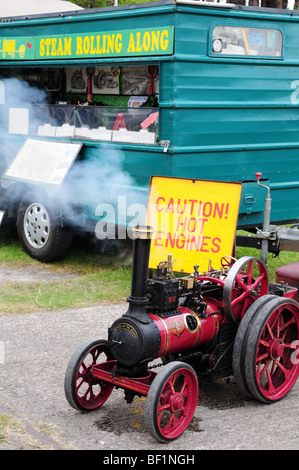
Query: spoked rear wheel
x,y
82,390
240,343
171,401
271,362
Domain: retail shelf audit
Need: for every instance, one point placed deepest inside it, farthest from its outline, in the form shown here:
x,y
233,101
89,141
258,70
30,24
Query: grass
x,y
273,263
102,275
14,434
8,424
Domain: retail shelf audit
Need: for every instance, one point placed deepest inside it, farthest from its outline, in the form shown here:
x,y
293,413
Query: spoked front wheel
x,y
171,401
82,390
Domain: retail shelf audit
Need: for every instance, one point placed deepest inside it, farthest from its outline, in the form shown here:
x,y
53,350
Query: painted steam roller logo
x,y
177,328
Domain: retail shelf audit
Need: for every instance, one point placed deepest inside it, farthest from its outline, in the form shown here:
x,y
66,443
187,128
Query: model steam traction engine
x,y
204,327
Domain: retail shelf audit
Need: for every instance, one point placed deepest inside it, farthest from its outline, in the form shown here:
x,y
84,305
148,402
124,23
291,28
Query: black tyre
x,y
238,360
40,230
82,390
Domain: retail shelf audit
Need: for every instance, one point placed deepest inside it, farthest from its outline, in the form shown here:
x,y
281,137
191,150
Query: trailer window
x,y
241,41
109,123
118,104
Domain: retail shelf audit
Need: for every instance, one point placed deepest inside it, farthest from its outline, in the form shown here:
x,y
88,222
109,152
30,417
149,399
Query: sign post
x,y
194,220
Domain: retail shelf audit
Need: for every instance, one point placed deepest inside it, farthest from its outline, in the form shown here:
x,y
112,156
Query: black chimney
x,y
141,253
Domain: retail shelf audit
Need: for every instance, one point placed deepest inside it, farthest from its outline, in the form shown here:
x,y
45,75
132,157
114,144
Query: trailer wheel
x,y
171,401
82,390
39,230
246,281
271,363
238,359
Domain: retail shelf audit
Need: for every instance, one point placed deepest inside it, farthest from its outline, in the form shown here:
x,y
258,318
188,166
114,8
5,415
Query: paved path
x,y
37,348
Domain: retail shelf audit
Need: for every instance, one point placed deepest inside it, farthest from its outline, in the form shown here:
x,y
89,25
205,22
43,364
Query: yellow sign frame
x,y
194,220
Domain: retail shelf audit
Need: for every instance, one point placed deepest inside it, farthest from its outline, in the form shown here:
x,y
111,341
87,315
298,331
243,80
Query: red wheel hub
x,y
176,402
276,349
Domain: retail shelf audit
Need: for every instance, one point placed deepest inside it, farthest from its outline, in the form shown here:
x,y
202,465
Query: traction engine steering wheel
x,y
227,261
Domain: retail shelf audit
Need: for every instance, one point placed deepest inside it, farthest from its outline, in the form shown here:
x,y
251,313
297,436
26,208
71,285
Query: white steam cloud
x,y
96,183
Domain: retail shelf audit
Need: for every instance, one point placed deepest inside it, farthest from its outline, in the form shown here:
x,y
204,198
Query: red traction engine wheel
x,y
171,401
265,362
246,281
82,390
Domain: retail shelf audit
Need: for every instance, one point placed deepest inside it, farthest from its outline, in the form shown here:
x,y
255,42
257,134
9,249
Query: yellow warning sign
x,y
194,220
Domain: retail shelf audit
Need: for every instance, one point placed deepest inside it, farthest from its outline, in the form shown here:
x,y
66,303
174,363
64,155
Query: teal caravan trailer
x,y
94,102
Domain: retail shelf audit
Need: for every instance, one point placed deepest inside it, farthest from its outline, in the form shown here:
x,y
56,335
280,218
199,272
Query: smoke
x,y
100,186
20,93
96,184
16,95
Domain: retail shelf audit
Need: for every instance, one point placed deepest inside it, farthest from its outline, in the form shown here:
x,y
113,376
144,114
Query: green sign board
x,y
126,43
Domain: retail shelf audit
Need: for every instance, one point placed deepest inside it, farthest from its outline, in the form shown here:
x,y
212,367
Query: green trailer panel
x,y
222,104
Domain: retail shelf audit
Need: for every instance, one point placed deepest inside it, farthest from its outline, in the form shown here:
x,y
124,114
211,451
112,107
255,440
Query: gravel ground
x,y
35,350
